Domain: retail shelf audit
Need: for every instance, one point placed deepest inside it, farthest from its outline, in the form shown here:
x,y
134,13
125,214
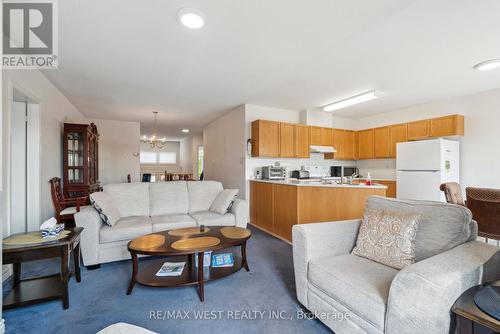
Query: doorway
x,y
25,164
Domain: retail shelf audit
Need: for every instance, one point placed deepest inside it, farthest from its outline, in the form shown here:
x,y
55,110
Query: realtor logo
x,y
30,34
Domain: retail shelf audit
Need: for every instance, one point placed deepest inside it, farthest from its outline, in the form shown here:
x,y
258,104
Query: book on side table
x,y
171,269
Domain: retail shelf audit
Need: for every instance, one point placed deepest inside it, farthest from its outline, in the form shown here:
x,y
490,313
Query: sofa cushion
x,y
209,218
388,237
131,199
224,201
104,205
442,226
202,194
167,198
125,229
171,222
361,285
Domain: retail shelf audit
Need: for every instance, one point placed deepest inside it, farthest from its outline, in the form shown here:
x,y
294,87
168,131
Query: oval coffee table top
x,y
189,240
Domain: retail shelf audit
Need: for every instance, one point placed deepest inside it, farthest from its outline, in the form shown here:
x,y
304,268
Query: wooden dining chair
x,y
453,193
65,208
485,206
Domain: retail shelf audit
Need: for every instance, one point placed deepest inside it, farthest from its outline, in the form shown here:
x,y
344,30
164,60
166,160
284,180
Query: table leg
x,y
244,255
76,260
201,289
16,267
65,275
464,326
135,265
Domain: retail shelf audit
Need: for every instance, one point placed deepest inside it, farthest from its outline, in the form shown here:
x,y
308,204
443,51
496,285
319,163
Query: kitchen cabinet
x,y
346,145
339,143
326,136
447,126
366,144
262,208
301,141
398,134
391,187
381,142
315,135
287,140
265,138
419,130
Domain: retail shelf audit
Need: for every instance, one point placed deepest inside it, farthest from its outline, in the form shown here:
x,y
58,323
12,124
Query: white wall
x,y
55,110
171,146
189,154
225,146
479,159
119,146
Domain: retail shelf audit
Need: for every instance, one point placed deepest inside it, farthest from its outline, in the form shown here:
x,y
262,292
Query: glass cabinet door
x,y
75,157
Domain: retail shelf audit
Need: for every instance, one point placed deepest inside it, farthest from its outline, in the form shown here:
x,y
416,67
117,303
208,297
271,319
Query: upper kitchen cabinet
x,y
381,142
315,135
287,140
366,144
398,134
419,130
447,126
301,141
345,144
326,137
265,138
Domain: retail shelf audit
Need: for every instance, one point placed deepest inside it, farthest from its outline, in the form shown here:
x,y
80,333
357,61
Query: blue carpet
x,y
100,300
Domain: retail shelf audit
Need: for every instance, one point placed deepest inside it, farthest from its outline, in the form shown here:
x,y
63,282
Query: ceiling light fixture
x,y
487,65
360,98
191,18
185,130
154,141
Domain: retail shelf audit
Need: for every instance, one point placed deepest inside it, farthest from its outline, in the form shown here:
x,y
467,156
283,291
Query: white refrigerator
x,y
422,166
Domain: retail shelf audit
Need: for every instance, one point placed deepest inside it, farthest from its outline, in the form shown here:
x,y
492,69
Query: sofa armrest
x,y
240,211
422,295
319,239
89,219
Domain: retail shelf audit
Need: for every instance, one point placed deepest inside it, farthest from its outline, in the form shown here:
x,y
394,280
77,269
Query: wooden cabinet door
x,y
381,140
391,188
262,205
287,140
398,134
418,130
339,143
265,138
366,144
301,141
447,126
349,143
326,137
356,145
315,135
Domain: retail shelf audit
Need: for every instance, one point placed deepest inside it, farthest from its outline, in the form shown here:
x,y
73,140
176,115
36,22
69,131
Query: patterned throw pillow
x,y
103,204
388,237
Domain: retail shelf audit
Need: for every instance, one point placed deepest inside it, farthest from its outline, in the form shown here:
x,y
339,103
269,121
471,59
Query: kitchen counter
x,y
275,206
306,183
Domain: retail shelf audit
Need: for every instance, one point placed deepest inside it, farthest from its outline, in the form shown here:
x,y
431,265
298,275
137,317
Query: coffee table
x,y
182,245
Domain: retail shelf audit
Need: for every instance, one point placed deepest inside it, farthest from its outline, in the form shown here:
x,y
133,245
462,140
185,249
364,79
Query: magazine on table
x,y
171,269
222,260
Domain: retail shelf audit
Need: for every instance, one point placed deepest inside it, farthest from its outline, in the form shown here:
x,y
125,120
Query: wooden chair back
x,y
485,206
57,194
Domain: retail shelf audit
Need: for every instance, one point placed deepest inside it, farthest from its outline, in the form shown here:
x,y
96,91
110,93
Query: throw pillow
x,y
388,237
224,201
103,204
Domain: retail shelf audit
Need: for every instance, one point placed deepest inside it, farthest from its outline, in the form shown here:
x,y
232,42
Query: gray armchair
x,y
351,294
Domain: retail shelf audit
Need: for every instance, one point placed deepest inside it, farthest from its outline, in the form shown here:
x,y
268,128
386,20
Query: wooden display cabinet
x,y
80,159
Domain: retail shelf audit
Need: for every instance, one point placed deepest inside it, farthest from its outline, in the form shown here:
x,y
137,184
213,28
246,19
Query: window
x,y
201,155
167,158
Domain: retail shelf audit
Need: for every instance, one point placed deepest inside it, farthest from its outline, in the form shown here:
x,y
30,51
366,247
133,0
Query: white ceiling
x,y
121,59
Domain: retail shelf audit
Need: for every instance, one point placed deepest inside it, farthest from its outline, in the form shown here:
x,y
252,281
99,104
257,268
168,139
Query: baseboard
x,y
271,233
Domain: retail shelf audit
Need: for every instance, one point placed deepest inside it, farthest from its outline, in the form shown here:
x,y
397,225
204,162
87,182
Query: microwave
x,y
343,171
273,173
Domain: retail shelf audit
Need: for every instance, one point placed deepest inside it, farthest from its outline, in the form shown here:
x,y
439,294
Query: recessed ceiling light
x,y
191,18
185,130
487,65
351,101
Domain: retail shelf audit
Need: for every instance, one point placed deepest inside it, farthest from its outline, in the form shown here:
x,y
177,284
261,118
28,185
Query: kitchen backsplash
x,y
378,168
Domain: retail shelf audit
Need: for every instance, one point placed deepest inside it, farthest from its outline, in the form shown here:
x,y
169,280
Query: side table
x,y
39,289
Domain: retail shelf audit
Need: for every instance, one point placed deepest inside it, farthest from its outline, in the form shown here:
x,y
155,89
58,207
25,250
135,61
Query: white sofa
x,y
148,208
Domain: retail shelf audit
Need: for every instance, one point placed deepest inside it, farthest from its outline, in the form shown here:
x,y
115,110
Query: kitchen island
x,y
275,206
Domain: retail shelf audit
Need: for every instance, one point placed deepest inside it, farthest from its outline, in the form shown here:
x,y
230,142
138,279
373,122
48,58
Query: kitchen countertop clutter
x,y
319,183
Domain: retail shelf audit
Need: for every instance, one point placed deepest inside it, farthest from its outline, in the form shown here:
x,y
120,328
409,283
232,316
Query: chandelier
x,y
154,141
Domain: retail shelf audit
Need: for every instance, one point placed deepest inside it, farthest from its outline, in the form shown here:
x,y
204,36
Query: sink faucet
x,y
351,178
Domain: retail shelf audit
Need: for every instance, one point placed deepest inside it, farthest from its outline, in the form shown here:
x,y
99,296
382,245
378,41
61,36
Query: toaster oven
x,y
273,173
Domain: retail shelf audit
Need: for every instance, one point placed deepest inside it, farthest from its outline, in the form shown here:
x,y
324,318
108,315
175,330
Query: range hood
x,y
322,149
